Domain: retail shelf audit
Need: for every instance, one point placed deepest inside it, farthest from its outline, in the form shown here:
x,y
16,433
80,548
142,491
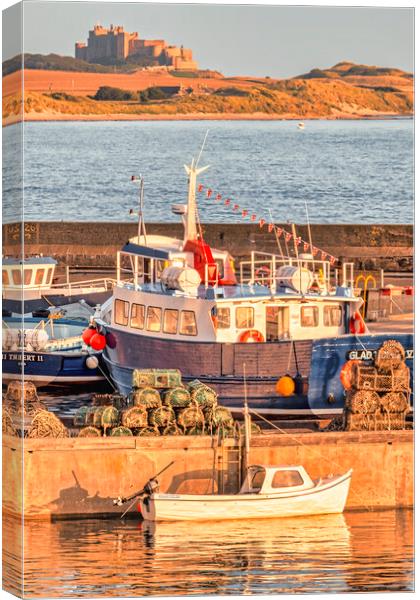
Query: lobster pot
x,y
191,417
79,418
196,430
121,431
161,417
202,394
89,432
135,417
18,391
255,429
298,279
157,378
171,429
375,422
97,416
368,378
390,355
148,432
363,401
178,397
110,417
90,415
395,402
219,416
116,400
146,397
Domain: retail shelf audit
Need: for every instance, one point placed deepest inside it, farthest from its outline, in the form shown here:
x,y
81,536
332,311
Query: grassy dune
x,y
337,93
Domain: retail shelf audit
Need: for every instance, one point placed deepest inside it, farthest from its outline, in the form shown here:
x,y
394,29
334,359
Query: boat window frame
x,y
49,277
141,306
18,279
248,308
290,485
181,324
126,303
27,280
229,320
170,310
159,309
315,310
42,270
332,307
5,279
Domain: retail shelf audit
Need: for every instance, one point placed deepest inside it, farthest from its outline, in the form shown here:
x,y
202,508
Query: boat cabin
x,y
29,273
262,479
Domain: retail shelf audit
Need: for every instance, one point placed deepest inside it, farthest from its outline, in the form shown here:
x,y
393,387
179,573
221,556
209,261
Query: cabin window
x,y
154,318
220,266
188,324
258,479
309,316
170,321
223,318
49,275
284,479
27,276
244,317
333,315
39,276
17,276
5,277
121,312
137,316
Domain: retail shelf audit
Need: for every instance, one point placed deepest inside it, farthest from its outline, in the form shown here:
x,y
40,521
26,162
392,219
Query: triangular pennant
x,y
227,202
200,187
209,193
218,197
305,246
253,217
270,227
262,222
288,236
323,255
235,206
244,213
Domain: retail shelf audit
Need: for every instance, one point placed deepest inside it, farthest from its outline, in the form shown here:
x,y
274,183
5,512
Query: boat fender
x,y
98,341
285,386
357,324
88,334
346,374
92,362
251,336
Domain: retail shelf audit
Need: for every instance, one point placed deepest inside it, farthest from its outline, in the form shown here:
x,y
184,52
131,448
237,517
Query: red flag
x,y
298,240
323,255
262,222
270,227
288,236
315,250
227,202
280,231
244,213
253,217
219,197
332,260
200,187
235,206
305,246
209,193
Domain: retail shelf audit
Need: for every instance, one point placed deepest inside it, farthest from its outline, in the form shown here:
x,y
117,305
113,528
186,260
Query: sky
x,y
279,41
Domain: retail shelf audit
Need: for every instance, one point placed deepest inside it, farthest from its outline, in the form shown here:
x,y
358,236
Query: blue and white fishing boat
x,y
48,352
185,307
28,286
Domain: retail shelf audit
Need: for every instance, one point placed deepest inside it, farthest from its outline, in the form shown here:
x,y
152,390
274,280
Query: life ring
x,y
251,336
347,374
357,324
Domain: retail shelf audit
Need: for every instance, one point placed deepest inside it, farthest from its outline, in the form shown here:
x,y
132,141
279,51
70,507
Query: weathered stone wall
x,y
370,246
81,476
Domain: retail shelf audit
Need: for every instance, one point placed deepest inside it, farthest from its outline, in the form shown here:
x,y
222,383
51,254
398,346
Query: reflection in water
x,y
369,551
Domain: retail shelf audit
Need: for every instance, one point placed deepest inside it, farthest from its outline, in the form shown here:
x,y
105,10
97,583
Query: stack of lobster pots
x,y
377,395
159,404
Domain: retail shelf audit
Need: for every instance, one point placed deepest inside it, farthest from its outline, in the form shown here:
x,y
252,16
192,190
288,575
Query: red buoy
x,y
98,341
88,334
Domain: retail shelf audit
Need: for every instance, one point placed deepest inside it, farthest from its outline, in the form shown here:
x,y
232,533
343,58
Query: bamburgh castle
x,y
116,44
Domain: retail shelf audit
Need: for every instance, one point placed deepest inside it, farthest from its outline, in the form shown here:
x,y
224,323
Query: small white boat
x,y
267,492
301,125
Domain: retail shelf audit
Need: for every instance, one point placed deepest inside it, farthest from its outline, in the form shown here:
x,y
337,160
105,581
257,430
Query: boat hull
x,y
325,498
319,362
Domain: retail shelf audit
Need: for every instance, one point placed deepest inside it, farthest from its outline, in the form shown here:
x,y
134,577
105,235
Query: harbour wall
x,y
79,477
95,244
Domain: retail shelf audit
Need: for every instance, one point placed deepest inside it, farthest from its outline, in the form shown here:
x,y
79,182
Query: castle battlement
x,y
116,44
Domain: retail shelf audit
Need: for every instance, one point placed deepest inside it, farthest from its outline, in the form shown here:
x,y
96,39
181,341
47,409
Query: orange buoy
x,y
285,386
250,336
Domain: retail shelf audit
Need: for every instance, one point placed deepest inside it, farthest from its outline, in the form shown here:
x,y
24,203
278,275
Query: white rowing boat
x,y
267,492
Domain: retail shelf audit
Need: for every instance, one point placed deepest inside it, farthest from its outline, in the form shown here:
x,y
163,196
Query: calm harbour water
x,y
346,171
354,552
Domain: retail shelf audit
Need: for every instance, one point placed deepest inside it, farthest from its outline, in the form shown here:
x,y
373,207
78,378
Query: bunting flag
x,y
279,231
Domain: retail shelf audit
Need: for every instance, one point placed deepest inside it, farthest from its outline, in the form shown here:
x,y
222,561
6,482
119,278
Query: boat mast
x,y
190,232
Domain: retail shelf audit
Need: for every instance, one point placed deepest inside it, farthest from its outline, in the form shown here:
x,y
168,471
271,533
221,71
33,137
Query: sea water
x,y
357,171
